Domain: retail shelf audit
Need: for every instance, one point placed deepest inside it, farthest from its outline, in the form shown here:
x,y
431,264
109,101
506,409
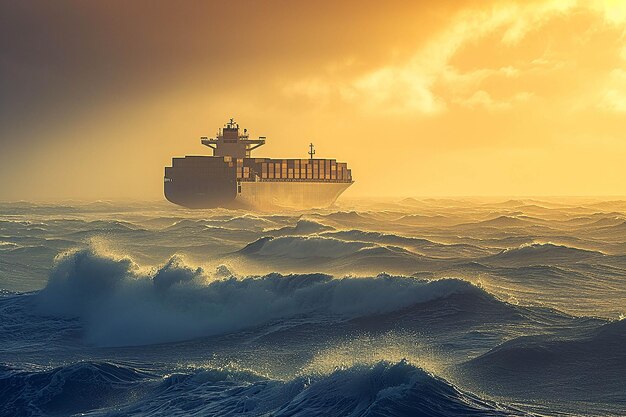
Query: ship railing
x,y
292,180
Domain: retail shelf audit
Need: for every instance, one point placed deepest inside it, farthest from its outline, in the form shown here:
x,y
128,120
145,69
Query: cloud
x,y
483,99
309,87
428,81
397,90
613,11
614,96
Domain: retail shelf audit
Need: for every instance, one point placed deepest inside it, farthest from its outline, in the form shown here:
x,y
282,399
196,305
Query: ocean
x,y
413,307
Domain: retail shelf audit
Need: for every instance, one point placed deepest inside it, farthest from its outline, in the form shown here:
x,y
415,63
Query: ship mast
x,y
312,151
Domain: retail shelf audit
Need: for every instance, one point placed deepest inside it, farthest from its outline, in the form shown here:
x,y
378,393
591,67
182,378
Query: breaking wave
x,y
119,303
390,389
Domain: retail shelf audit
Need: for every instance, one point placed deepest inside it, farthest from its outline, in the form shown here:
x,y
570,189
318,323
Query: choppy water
x,y
409,308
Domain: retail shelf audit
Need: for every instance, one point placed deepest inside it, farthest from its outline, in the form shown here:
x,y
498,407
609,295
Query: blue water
x,y
370,308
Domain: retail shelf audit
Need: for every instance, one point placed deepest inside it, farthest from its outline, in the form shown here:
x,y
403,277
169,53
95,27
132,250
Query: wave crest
x,y
119,304
304,247
385,388
71,389
519,366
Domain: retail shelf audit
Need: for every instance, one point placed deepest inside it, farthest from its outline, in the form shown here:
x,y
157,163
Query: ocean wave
x,y
111,225
341,217
71,389
543,254
363,236
302,227
331,253
327,254
101,388
502,221
543,275
584,363
244,222
119,303
423,220
8,245
304,247
612,220
610,231
35,250
389,389
423,246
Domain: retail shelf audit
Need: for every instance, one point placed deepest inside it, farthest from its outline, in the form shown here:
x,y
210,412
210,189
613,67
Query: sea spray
x,y
120,304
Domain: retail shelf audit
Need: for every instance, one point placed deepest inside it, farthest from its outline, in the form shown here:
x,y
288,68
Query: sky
x,y
421,98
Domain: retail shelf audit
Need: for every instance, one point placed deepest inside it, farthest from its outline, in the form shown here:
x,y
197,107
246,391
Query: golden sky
x,y
437,98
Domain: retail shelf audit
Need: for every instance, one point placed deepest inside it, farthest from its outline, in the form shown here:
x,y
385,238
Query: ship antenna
x,y
312,151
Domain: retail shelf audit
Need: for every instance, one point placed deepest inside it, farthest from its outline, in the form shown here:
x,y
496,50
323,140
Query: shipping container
x,y
299,169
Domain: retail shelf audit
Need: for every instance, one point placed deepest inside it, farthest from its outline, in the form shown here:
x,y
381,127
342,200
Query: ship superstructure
x,y
232,178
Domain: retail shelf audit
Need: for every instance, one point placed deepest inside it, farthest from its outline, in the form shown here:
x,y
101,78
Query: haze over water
x,y
432,307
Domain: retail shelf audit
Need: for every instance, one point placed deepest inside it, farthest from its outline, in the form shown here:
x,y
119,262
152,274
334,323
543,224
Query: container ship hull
x,y
261,196
232,179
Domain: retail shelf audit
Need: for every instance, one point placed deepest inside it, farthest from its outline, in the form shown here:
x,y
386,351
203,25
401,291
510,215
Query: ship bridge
x,y
229,141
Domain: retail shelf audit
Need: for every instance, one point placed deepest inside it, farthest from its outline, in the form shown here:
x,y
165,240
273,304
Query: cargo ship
x,y
232,178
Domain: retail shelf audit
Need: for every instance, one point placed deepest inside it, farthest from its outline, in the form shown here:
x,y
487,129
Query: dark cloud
x,y
59,58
